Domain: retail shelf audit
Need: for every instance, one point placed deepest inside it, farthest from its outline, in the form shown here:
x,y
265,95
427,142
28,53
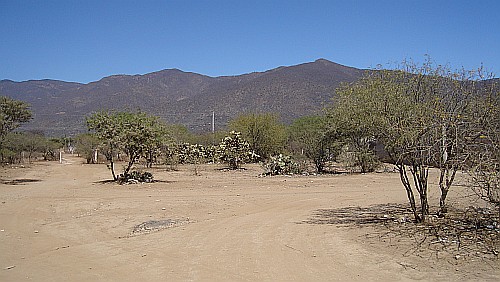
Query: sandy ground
x,y
61,222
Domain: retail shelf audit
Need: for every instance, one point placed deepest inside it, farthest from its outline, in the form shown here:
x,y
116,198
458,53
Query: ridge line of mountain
x,y
186,98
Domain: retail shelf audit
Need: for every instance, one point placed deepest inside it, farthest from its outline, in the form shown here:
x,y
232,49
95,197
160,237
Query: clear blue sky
x,y
86,40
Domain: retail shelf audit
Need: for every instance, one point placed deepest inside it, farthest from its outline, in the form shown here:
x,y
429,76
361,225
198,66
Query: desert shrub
x,y
171,155
234,151
136,177
280,165
191,153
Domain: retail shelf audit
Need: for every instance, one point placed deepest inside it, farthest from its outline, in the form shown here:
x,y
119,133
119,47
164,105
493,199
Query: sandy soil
x,y
61,222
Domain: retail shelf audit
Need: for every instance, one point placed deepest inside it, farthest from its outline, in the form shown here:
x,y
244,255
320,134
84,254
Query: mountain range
x,y
59,108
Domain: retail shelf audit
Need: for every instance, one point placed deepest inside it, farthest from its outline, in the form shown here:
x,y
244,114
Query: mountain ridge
x,y
187,98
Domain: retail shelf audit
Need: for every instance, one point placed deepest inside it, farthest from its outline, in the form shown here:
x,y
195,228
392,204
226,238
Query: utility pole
x,y
213,121
213,128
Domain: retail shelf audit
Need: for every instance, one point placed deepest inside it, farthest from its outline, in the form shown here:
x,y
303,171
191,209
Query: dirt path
x,y
59,222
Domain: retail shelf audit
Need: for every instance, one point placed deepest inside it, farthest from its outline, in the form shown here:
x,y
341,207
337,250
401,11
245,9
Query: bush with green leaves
x,y
281,165
234,151
136,176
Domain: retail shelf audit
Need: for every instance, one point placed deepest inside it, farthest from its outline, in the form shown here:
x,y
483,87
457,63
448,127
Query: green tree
x,y
13,113
180,134
51,148
33,142
13,147
309,136
355,140
86,146
266,136
159,139
131,133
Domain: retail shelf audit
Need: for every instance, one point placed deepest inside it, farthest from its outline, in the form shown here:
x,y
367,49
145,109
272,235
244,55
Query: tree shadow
x,y
108,181
21,181
471,232
360,215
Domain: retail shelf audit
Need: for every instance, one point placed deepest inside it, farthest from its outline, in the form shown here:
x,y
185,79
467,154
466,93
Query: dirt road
x,y
61,222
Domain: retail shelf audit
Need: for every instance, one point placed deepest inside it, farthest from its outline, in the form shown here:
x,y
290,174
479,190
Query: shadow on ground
x,y
21,181
360,215
111,181
470,233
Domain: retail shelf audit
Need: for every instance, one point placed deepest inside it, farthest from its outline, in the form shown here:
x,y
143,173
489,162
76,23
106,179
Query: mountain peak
x,y
324,61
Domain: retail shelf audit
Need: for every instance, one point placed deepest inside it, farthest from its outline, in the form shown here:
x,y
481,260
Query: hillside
x,y
181,97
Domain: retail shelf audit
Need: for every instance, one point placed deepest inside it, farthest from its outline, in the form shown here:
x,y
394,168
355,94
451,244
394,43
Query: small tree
x,y
160,137
309,136
86,146
13,113
354,131
422,115
106,127
265,135
234,151
51,147
132,133
13,147
33,142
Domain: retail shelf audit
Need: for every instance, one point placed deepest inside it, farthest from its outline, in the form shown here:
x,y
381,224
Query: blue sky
x,y
84,41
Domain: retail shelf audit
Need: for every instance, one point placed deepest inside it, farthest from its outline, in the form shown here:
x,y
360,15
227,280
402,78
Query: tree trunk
x,y
420,175
112,167
131,162
445,182
409,191
442,203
